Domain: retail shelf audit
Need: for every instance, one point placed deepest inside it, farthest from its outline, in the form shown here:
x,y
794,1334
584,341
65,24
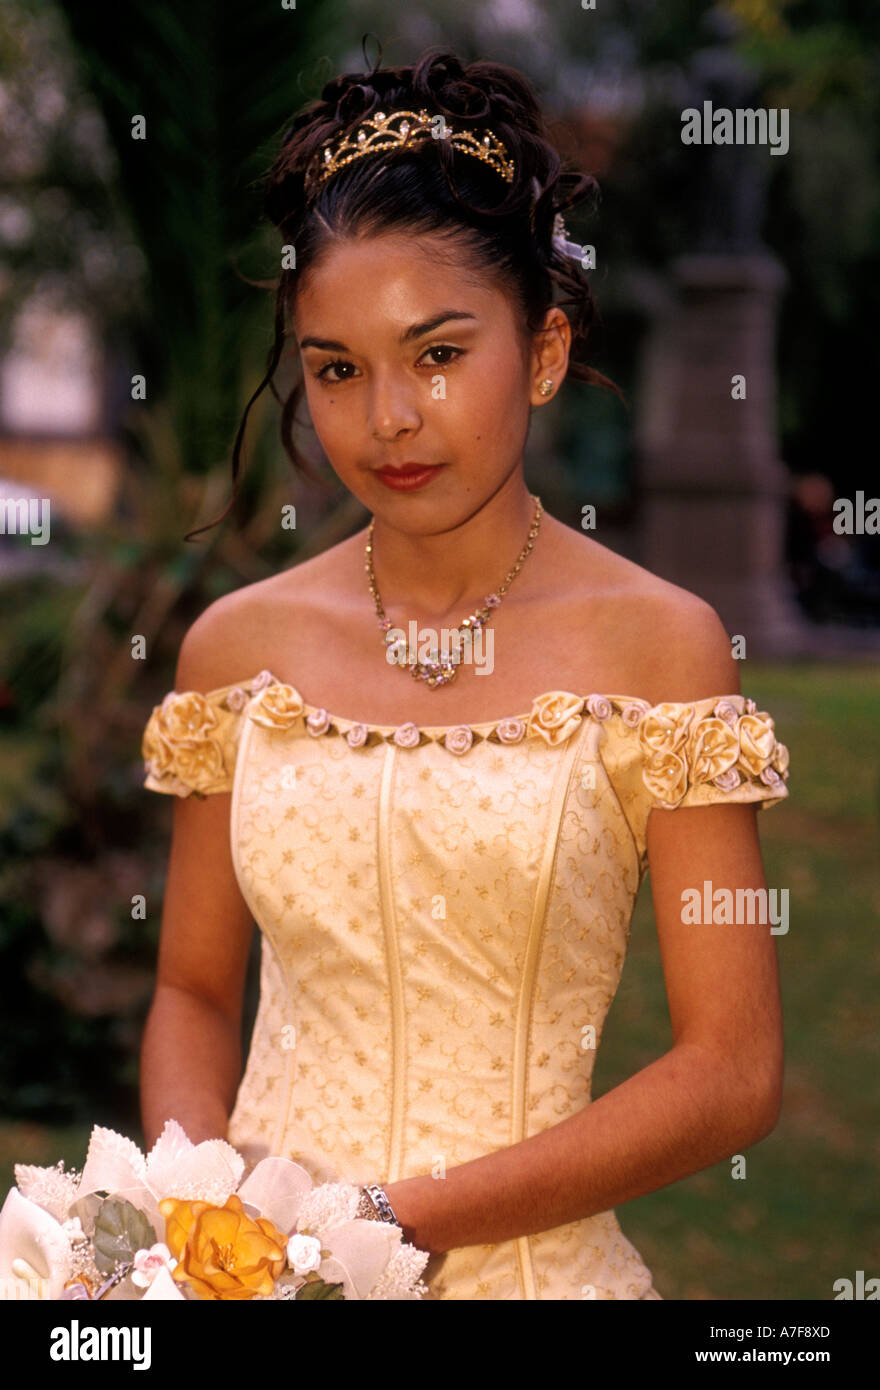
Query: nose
x,y
392,407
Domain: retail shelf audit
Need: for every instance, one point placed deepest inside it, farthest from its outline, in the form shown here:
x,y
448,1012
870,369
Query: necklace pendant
x,y
433,673
440,670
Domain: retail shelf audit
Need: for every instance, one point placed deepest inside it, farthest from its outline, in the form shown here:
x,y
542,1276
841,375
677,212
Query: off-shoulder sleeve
x,y
710,752
190,742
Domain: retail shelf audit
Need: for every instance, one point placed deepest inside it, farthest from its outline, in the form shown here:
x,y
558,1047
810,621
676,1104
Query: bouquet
x,y
183,1222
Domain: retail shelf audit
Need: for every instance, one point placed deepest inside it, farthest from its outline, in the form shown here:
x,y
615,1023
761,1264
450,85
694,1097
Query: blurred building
x,y
54,439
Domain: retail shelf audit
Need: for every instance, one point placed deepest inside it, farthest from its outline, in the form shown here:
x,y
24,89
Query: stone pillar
x,y
712,487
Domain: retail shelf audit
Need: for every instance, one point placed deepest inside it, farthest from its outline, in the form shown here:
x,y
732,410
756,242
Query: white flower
x,y
264,678
725,710
459,740
236,699
511,730
633,714
726,781
318,722
174,1167
73,1230
304,1254
407,735
148,1263
360,1253
598,707
770,777
750,707
35,1257
53,1189
357,735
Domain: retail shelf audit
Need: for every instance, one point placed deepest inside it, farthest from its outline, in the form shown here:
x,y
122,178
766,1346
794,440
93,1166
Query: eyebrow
x,y
415,330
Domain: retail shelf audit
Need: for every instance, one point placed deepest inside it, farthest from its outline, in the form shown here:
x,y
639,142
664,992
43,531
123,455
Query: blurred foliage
x,y
78,836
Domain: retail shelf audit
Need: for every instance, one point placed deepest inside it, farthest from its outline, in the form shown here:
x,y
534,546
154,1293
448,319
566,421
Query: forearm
x,y
190,1066
680,1114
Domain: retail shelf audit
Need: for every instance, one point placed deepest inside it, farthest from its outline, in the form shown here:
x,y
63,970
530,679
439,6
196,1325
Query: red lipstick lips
x,y
408,476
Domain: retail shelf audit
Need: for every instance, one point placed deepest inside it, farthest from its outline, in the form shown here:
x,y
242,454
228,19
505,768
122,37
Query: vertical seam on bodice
x,y
555,812
641,860
395,977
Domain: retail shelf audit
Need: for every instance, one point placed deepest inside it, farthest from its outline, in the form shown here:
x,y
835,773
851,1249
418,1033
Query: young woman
x,y
443,864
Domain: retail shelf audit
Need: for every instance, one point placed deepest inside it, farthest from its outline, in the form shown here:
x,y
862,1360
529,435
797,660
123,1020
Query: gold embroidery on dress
x,y
444,925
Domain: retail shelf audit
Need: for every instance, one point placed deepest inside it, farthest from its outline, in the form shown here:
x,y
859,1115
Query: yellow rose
x,y
179,1219
665,776
179,742
155,748
278,706
712,749
780,759
665,728
221,1252
199,764
756,742
186,716
555,716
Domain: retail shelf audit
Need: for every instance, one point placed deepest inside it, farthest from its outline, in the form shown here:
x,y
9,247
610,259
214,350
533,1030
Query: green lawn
x,y
808,1211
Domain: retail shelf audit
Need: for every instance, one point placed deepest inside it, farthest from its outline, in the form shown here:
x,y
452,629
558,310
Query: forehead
x,y
394,276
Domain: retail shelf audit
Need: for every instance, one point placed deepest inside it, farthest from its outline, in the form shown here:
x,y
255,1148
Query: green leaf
x,y
120,1231
317,1288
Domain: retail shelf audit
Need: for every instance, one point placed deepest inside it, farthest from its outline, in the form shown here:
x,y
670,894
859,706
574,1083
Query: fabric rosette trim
x,y
180,744
184,1223
556,715
724,747
553,718
732,743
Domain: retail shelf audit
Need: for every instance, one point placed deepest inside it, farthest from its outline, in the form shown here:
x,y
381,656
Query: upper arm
x,y
206,924
722,979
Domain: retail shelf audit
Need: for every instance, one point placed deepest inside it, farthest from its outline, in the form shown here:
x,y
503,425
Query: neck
x,y
441,573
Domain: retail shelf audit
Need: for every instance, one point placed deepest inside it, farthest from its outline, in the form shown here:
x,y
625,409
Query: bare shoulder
x,y
672,644
230,640
682,644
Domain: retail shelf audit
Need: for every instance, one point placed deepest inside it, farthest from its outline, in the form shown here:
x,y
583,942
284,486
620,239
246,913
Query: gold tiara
x,y
396,130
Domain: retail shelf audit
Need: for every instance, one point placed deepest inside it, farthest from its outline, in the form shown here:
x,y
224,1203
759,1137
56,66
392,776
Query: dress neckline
x,y
601,705
436,730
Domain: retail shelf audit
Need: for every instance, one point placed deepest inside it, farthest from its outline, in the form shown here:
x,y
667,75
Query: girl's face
x,y
409,361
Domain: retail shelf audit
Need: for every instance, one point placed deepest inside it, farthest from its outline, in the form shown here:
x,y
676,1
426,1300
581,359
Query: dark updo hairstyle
x,y
500,228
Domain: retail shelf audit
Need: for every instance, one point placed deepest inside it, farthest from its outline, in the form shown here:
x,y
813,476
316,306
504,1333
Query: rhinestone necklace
x,y
441,666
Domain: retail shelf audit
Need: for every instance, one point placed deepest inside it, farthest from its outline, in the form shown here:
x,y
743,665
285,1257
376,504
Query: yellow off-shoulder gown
x,y
445,914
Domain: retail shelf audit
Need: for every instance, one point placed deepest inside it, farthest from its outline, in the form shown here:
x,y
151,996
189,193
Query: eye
x,y
336,362
445,347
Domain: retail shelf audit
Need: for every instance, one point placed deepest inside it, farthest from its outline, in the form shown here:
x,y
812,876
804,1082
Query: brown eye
x,y
445,347
336,362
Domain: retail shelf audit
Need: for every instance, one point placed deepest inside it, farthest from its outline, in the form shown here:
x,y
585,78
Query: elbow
x,y
761,1110
771,1110
746,1097
763,1120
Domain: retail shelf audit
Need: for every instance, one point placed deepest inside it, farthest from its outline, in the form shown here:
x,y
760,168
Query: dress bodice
x,y
445,913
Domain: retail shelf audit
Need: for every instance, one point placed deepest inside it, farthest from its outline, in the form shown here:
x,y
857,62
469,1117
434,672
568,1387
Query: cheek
x,y
495,397
490,383
328,415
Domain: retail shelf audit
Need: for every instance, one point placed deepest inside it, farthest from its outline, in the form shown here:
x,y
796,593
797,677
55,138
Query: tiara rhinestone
x,y
393,130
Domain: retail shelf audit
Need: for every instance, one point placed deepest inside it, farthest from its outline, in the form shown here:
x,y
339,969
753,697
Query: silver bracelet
x,y
374,1205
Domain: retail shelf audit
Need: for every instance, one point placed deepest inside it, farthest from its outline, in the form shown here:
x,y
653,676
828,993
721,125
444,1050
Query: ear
x,y
550,349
